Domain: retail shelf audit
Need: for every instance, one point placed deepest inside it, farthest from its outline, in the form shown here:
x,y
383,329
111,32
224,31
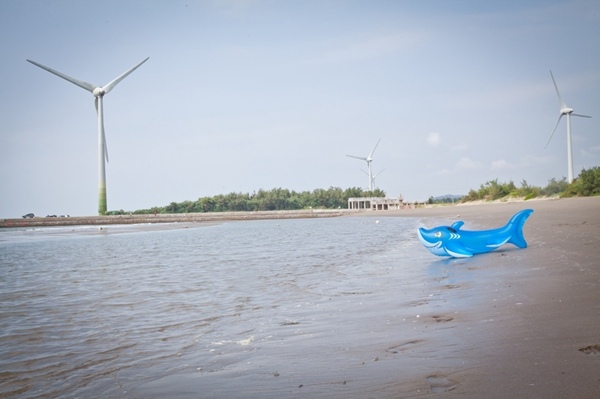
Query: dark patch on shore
x,y
173,218
592,349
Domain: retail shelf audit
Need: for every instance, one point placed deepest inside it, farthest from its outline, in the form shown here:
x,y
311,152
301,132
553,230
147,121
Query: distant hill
x,y
452,197
447,198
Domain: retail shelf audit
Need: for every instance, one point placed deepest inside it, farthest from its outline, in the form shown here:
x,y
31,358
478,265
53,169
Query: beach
x,y
521,323
538,331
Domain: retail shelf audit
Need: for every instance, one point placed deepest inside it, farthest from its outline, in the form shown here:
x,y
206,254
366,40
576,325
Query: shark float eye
x,y
438,234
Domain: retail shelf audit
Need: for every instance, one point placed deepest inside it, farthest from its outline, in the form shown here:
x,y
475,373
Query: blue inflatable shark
x,y
451,241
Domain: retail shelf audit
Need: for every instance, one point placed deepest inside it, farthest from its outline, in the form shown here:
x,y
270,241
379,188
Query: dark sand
x,y
536,331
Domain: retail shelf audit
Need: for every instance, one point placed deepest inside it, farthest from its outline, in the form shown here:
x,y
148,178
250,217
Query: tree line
x,y
586,184
265,200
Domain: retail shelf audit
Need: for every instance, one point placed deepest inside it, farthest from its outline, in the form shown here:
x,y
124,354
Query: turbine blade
x,y
555,126
371,154
378,173
84,85
361,158
109,86
562,103
583,116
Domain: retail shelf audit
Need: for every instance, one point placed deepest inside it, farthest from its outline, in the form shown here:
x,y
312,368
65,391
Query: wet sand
x,y
536,331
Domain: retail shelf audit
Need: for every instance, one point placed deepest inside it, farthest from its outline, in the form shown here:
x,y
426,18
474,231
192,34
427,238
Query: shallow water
x,y
308,307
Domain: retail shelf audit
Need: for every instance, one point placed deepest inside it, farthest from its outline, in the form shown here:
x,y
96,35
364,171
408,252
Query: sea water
x,y
239,309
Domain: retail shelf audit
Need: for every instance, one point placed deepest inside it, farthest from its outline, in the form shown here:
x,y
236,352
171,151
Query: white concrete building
x,y
375,203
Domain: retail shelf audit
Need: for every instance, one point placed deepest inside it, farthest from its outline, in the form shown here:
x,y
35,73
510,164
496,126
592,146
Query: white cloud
x,y
433,138
590,152
500,164
459,147
528,161
467,163
371,48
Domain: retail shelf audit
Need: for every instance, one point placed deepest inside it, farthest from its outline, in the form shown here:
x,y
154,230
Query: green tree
x,y
555,187
587,183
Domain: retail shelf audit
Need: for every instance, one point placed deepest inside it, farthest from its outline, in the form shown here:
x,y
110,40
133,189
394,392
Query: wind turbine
x,y
374,176
369,158
564,110
98,93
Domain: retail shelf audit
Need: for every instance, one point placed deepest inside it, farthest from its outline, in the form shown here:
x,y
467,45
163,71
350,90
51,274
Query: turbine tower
x,y
98,93
564,110
369,158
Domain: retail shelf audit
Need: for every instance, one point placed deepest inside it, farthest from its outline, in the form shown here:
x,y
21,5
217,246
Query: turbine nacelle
x,y
566,110
98,92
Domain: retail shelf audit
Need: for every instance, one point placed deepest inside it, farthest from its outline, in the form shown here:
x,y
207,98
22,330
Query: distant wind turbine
x,y
98,93
369,159
374,177
564,110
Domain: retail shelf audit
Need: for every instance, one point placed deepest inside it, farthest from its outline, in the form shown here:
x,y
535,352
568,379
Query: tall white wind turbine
x,y
564,110
368,159
98,93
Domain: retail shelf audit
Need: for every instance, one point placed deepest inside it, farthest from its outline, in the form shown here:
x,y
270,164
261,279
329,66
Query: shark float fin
x,y
457,250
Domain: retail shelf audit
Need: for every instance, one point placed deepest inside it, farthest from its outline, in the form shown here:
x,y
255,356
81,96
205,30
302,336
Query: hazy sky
x,y
239,96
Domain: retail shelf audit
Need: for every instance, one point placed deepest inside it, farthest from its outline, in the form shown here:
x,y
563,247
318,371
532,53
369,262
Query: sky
x,y
239,96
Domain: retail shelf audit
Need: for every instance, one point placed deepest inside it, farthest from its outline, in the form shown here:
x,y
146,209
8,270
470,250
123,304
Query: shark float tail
x,y
515,226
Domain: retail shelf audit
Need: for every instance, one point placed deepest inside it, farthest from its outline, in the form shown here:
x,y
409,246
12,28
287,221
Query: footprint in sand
x,y
404,346
439,383
592,349
442,319
419,303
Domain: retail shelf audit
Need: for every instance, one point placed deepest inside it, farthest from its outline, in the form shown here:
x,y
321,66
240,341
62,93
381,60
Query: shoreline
x,y
426,210
171,218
